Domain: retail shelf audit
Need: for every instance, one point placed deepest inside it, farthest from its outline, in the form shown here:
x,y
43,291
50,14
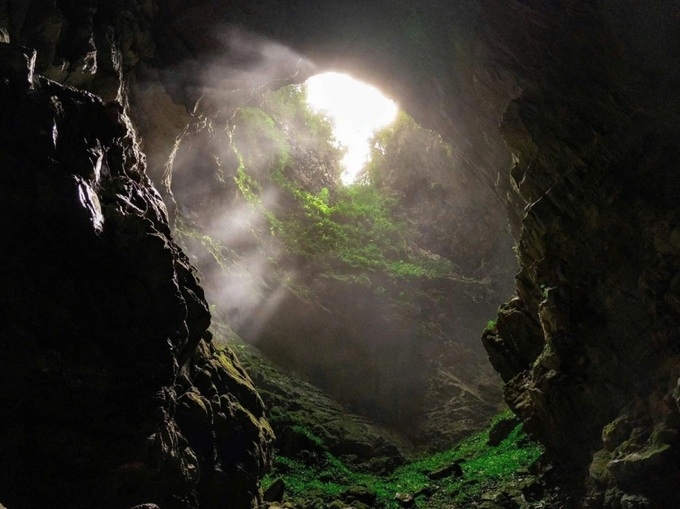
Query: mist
x,y
378,296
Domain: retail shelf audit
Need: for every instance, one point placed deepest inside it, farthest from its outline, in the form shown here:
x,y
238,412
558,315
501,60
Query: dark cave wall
x,y
592,338
112,393
586,96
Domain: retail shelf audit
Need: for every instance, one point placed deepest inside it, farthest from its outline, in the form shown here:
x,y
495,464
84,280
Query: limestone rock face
x,y
107,370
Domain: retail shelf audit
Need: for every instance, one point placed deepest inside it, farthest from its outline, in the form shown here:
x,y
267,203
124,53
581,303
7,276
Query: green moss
x,y
249,187
227,364
187,234
197,401
260,141
360,228
304,430
484,468
490,325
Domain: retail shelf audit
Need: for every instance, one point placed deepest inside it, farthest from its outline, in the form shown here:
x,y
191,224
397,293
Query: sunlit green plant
x,y
359,227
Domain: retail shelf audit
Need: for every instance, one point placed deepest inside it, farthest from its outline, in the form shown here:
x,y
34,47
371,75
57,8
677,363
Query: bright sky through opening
x,y
357,111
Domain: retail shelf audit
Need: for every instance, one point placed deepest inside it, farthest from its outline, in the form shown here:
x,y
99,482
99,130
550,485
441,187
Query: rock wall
x,y
112,393
589,346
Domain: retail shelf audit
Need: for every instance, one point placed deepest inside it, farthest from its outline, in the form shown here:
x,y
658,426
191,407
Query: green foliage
x,y
306,227
262,136
339,230
289,106
188,235
404,155
372,235
484,468
305,431
360,228
247,185
256,135
490,325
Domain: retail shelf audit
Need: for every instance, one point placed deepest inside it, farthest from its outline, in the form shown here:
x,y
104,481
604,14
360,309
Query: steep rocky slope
x,y
587,96
297,410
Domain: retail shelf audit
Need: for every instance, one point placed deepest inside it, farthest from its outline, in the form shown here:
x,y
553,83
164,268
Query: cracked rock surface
x,y
107,371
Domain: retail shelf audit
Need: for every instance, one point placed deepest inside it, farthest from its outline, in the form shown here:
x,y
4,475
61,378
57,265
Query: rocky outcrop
x,y
401,357
112,394
439,197
588,348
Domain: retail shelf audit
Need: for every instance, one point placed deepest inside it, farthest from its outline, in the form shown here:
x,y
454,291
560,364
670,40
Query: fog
x,y
226,237
239,169
241,65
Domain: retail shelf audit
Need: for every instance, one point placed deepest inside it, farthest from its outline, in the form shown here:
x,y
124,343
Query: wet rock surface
x,y
588,342
104,324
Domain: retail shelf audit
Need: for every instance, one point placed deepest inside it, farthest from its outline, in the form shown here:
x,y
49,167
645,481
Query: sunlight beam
x,y
357,111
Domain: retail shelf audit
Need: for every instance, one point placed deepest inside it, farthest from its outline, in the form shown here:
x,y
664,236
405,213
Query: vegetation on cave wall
x,y
285,168
424,174
407,216
341,283
339,229
403,149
